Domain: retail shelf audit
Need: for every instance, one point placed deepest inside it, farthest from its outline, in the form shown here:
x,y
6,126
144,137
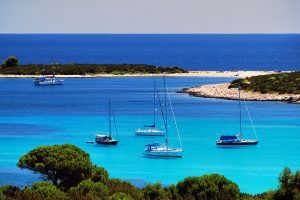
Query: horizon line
x,y
151,33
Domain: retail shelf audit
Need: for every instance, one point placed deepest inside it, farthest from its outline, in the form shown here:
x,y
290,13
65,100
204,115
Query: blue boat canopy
x,y
153,144
228,137
150,126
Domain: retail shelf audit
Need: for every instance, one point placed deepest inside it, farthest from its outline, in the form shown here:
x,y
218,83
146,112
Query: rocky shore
x,y
223,92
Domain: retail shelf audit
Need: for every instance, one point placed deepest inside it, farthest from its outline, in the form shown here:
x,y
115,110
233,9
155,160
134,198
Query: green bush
x,y
2,197
83,69
208,187
88,188
119,196
289,185
11,61
10,191
99,174
173,193
155,191
47,191
117,185
273,83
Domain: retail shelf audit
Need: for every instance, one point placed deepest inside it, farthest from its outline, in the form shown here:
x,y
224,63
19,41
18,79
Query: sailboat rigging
x,y
238,138
151,130
108,139
163,149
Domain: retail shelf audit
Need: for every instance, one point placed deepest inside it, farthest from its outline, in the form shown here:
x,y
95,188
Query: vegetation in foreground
x,y
11,66
274,83
70,175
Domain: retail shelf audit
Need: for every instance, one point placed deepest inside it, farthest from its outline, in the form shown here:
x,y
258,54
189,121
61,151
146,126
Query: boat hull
x,y
47,83
237,143
149,133
164,153
105,140
115,142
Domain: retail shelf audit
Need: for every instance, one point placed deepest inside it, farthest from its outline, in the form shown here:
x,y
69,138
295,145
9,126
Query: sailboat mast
x,y
166,114
239,89
154,114
109,117
43,70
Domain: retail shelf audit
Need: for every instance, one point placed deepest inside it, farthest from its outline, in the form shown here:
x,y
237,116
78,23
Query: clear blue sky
x,y
149,16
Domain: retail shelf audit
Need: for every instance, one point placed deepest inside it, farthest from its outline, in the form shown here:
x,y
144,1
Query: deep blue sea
x,y
192,52
73,113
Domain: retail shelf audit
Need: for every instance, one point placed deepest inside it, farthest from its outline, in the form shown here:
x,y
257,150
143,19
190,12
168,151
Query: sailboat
x,y
238,138
151,130
47,80
104,138
164,149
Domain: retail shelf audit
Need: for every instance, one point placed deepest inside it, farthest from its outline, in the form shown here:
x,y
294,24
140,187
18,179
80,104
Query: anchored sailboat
x,y
108,139
163,149
151,130
238,138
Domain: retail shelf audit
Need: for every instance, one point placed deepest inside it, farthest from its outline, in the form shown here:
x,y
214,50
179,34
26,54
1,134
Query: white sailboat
x,y
164,149
151,130
238,138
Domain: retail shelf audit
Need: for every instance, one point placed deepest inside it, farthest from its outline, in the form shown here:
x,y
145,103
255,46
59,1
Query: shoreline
x,y
225,74
221,91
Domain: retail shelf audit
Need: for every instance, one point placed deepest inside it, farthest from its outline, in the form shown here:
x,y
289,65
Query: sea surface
x,y
192,52
31,116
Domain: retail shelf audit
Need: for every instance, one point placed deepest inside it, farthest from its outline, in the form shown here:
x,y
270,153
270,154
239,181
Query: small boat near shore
x,y
151,130
238,138
47,80
107,139
163,149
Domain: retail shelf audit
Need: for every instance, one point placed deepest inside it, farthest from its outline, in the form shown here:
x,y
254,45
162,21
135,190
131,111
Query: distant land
x,y
87,69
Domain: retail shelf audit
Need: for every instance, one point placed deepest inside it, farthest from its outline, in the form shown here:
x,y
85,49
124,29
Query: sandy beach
x,y
232,74
223,92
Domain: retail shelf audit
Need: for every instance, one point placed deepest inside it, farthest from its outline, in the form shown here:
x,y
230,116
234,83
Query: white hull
x,y
164,152
237,142
45,83
149,132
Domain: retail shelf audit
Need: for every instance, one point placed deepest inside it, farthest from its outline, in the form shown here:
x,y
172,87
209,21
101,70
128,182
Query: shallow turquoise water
x,y
33,116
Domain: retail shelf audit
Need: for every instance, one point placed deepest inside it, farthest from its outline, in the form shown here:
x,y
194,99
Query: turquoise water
x,y
33,116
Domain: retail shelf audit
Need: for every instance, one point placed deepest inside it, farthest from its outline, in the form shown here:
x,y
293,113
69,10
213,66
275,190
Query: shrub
x,y
154,191
88,188
208,187
117,185
10,191
99,174
289,185
273,83
119,196
2,197
47,191
11,61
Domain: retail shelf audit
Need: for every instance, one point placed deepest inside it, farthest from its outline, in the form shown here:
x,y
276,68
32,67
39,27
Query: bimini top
x,y
156,144
41,79
228,137
149,126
